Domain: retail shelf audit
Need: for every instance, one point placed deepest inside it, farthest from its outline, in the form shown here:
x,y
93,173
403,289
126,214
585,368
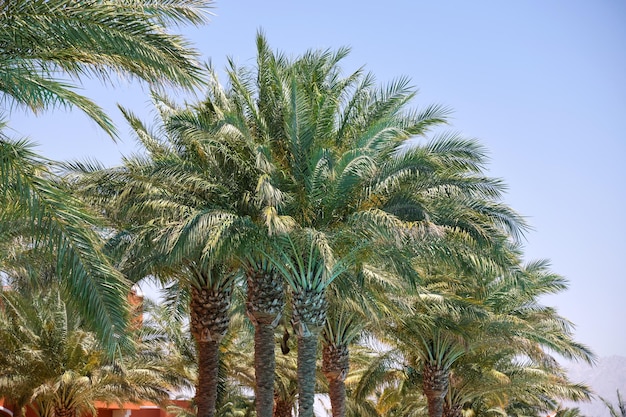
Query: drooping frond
x,y
64,226
45,42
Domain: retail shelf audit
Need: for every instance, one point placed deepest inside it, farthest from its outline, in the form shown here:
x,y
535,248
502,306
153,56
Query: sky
x,y
541,84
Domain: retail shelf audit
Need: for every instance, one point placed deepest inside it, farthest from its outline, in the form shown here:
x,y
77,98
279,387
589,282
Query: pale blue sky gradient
x,y
540,83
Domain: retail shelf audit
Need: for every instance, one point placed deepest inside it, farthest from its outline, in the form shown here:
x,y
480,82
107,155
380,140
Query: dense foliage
x,y
294,200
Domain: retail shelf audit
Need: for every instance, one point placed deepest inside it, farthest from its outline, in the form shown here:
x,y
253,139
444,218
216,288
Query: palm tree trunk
x,y
208,325
264,306
62,411
264,367
206,388
307,355
337,393
308,318
436,381
335,366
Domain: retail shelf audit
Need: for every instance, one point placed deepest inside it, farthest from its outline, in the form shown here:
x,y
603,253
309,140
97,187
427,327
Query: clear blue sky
x,y
540,83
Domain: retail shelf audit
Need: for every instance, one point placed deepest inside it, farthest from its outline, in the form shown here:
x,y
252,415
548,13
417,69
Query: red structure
x,y
111,410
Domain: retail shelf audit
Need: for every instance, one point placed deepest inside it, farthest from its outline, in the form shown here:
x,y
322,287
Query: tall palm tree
x,y
168,334
218,120
232,169
176,219
347,175
265,304
308,275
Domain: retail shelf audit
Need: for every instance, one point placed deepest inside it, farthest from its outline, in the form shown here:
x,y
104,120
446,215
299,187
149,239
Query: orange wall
x,y
107,410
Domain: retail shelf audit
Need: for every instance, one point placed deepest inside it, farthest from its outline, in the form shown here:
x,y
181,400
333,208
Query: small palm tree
x,y
50,361
342,327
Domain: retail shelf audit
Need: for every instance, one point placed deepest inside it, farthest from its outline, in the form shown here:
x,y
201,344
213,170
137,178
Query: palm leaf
x,y
67,228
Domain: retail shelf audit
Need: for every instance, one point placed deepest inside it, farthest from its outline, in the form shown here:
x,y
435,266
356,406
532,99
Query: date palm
x,y
360,301
168,335
44,46
498,356
347,175
176,219
340,330
218,120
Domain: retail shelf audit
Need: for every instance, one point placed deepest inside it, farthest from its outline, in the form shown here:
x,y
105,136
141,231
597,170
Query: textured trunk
x,y
283,408
309,315
337,393
266,299
436,380
206,388
264,367
209,323
335,366
307,354
62,411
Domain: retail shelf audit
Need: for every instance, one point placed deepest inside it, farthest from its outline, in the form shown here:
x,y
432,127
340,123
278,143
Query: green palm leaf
x,y
66,227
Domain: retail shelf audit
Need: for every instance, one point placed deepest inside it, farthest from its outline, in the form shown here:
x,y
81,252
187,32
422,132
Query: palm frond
x,y
67,228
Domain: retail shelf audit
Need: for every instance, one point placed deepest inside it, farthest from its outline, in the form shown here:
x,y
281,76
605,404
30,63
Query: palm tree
x,y
176,219
227,166
49,361
166,333
45,44
343,174
219,121
264,306
481,340
307,273
341,329
360,302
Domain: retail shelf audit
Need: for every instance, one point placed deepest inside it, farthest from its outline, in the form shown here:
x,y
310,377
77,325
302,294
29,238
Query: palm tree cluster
x,y
334,207
52,364
293,200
